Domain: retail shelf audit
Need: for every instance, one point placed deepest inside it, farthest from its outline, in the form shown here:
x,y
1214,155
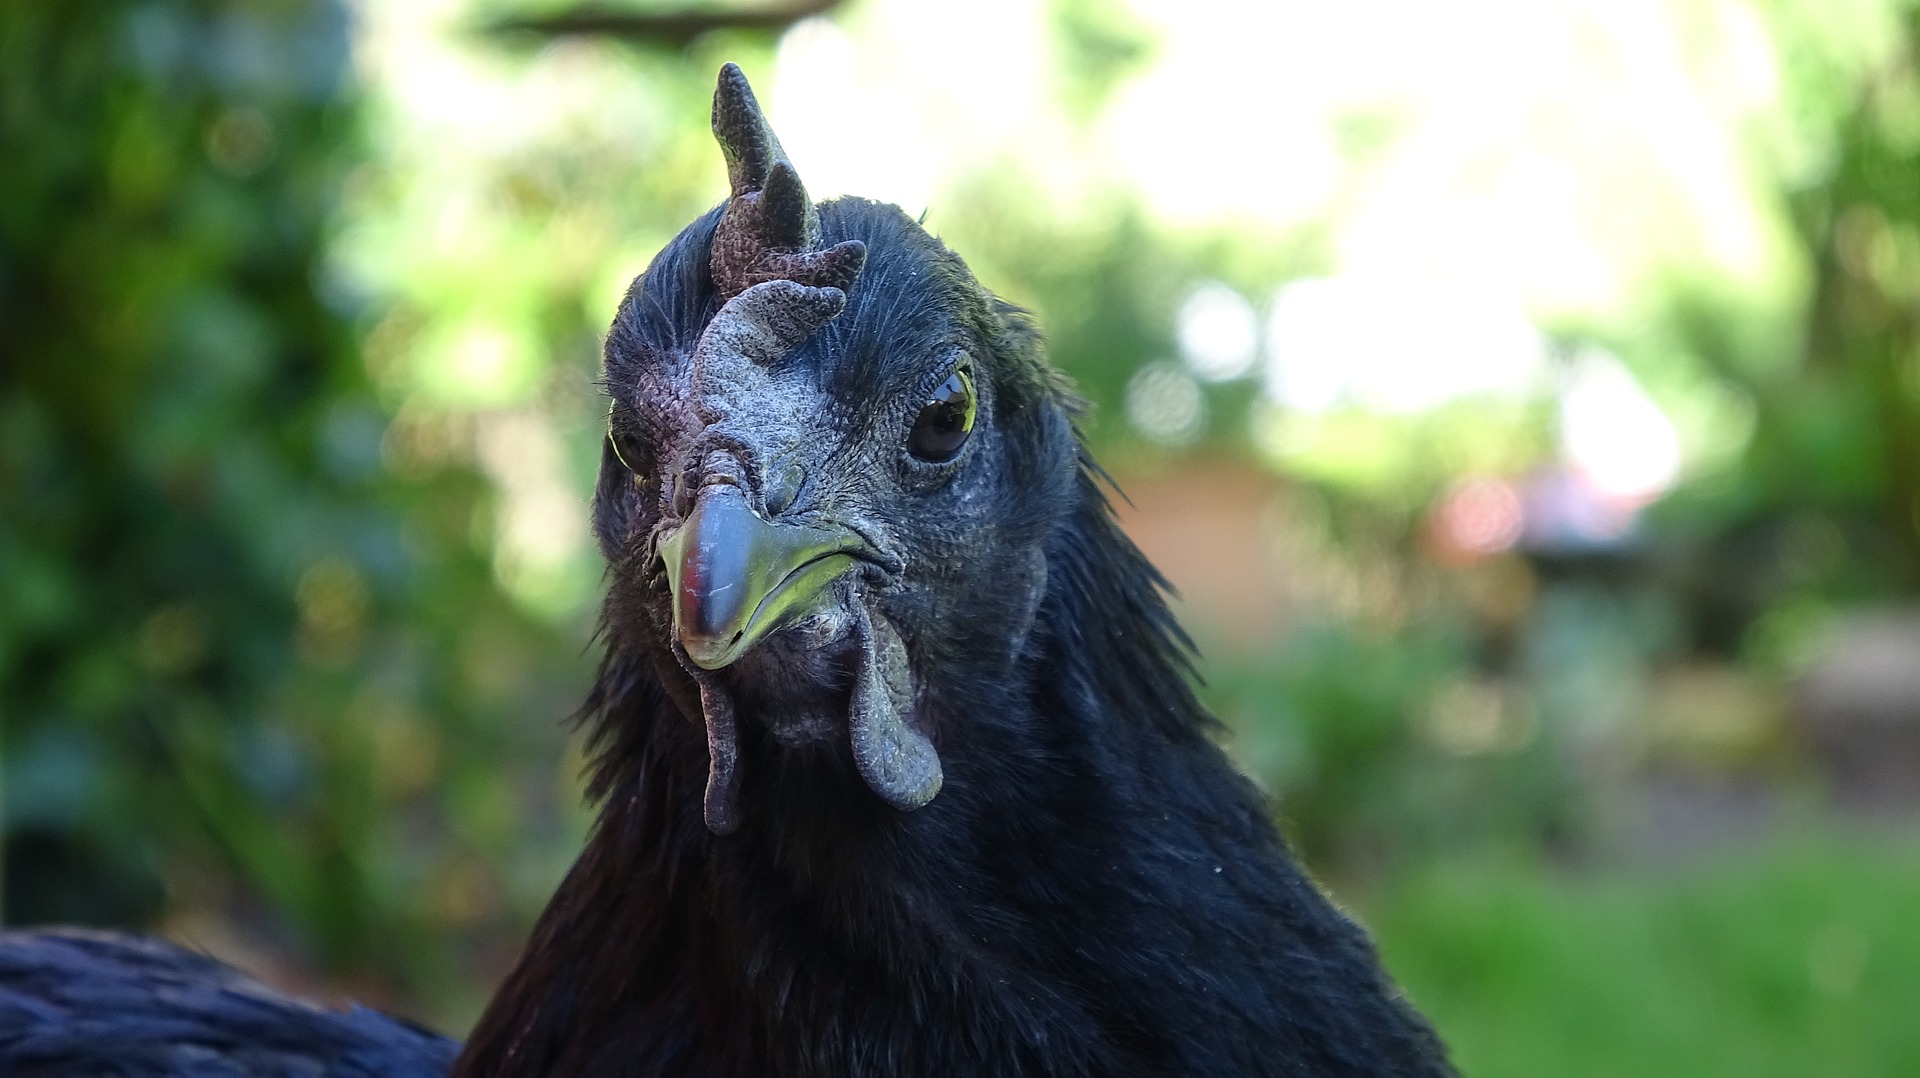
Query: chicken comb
x,y
769,230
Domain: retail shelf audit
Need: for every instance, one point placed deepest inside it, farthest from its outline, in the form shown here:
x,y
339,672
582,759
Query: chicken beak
x,y
737,578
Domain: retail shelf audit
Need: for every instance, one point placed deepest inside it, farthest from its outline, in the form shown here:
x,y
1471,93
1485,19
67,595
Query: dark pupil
x,y
631,453
944,422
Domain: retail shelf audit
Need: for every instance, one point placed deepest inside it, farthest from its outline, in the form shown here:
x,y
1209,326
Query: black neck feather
x,y
1095,891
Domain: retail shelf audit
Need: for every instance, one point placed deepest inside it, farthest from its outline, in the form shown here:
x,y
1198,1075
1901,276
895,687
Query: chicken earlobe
x,y
897,759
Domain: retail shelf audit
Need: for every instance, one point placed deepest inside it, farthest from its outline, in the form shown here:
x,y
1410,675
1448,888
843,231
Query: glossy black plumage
x,y
78,1003
1094,892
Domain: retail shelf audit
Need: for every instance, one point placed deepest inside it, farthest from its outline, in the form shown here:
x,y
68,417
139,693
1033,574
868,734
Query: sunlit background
x,y
1524,396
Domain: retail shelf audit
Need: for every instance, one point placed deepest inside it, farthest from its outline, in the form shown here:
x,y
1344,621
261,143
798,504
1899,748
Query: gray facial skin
x,y
771,581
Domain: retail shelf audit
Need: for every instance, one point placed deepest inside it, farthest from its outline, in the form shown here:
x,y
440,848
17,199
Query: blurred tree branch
x,y
674,28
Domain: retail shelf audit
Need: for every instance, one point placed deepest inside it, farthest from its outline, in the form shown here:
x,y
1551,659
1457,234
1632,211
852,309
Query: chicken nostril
x,y
683,490
783,488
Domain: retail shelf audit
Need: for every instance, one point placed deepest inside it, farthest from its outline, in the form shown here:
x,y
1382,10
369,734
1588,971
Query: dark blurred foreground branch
x,y
675,28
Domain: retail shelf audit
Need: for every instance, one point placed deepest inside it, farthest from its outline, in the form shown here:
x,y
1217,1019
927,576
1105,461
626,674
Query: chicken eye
x,y
944,421
628,450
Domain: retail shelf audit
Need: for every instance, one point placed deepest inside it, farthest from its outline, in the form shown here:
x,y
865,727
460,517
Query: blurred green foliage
x,y
1807,510
297,423
1382,754
245,665
1795,961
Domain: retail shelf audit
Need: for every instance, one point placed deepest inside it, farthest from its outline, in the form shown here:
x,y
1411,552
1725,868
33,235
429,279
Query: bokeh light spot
x,y
1219,333
1166,405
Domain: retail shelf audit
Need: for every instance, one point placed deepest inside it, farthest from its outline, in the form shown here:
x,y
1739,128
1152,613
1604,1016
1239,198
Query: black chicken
x,y
899,766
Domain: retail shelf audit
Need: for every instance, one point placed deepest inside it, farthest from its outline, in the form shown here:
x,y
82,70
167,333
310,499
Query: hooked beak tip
x,y
711,652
